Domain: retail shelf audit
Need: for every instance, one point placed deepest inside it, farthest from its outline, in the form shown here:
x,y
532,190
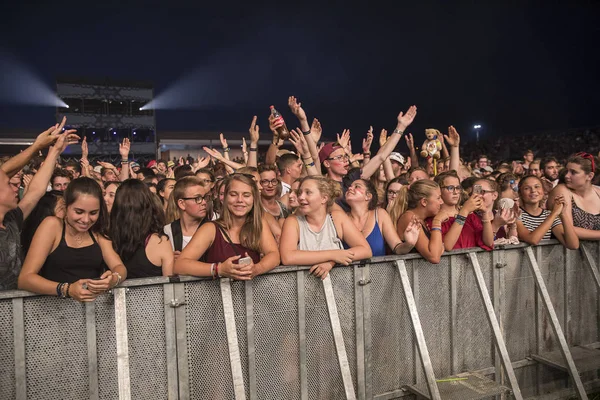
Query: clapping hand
x,y
452,138
404,120
366,144
411,233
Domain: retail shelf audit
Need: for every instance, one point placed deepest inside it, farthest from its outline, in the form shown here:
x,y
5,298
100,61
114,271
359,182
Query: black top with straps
x,y
69,264
139,266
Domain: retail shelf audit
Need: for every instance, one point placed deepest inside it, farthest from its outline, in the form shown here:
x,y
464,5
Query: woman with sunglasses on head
x,y
240,234
189,205
582,198
462,227
375,223
68,257
535,224
315,235
136,230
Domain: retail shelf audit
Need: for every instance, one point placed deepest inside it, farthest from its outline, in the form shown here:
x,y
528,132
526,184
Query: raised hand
x,y
297,139
296,108
409,140
404,120
213,153
274,124
64,140
124,148
203,162
453,138
316,130
223,140
382,137
366,143
84,148
244,146
50,135
254,132
344,139
475,202
411,233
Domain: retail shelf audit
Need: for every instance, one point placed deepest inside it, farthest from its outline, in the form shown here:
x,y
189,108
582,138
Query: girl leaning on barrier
x,y
535,224
415,204
136,230
314,235
375,223
240,234
582,198
462,227
67,257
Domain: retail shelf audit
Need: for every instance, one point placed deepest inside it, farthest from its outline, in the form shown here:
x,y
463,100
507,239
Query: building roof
x,y
106,81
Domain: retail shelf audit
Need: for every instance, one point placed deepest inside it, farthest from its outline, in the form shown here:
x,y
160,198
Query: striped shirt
x,y
531,222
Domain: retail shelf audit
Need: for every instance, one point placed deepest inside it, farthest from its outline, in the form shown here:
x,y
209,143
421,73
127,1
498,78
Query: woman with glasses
x,y
582,197
316,234
232,245
136,230
461,227
189,205
270,193
502,220
535,224
374,223
392,189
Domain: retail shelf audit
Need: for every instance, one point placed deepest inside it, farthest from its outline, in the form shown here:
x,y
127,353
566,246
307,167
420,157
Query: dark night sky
x,y
518,68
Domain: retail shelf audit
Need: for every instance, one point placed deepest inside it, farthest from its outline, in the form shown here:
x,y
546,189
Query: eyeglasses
x,y
197,199
339,158
267,182
452,188
392,193
206,181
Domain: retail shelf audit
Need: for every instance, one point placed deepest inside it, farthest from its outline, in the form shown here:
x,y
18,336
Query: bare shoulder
x,y
339,215
51,223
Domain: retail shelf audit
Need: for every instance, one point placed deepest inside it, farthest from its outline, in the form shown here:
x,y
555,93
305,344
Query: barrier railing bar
x,y
183,378
498,293
92,350
232,340
250,333
493,320
452,323
359,286
368,332
122,344
19,347
590,262
170,341
302,334
418,331
564,347
415,287
338,338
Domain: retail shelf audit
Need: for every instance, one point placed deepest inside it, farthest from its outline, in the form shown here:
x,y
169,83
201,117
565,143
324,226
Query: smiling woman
x,y
232,246
67,257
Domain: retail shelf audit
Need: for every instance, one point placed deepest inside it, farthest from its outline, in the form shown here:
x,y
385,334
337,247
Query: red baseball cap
x,y
327,150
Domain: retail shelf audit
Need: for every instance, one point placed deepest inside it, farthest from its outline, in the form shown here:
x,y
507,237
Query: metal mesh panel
x,y
323,370
519,319
106,346
392,340
433,304
473,337
276,336
208,354
582,327
146,339
55,348
342,280
552,264
7,351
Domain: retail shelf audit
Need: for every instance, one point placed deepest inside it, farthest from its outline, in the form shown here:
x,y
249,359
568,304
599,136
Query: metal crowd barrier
x,y
488,323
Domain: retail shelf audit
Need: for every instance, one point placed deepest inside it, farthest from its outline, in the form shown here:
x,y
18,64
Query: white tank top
x,y
324,239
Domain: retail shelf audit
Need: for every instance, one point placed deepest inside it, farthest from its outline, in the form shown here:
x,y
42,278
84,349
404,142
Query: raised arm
x,y
124,152
410,142
299,141
44,139
254,137
473,203
276,143
453,140
404,120
215,154
312,133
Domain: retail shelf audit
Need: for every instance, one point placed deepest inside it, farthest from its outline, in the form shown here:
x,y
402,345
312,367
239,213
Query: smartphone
x,y
506,203
97,279
477,189
245,261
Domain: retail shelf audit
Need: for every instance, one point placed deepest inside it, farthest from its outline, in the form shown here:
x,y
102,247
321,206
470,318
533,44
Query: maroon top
x,y
221,249
471,234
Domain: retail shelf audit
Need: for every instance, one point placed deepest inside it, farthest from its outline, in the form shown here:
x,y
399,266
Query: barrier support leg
x,y
232,340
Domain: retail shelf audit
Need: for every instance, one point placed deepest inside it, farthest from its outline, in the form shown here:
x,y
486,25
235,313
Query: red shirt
x,y
471,234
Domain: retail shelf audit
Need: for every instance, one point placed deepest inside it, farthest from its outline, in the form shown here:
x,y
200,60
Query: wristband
x,y
226,149
459,221
312,164
253,148
435,228
398,131
366,153
306,133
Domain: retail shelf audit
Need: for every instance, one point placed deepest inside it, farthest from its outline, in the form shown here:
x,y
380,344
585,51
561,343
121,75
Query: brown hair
x,y
173,211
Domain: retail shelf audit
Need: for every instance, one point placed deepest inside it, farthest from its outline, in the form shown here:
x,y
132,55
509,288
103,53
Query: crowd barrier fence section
x,y
371,330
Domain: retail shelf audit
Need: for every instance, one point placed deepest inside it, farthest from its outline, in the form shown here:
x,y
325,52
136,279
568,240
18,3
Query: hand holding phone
x,y
477,189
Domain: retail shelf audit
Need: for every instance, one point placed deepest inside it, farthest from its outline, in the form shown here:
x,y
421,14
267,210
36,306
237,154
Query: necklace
x,y
78,239
364,223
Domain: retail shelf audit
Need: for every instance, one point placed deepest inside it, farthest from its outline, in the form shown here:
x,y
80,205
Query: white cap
x,y
395,156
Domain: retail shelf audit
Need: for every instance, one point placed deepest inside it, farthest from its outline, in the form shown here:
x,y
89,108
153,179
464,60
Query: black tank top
x,y
69,264
139,266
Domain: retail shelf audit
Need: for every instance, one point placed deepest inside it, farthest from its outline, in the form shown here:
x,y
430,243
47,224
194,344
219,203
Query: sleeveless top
x,y
584,219
69,264
325,239
375,240
221,249
139,266
283,211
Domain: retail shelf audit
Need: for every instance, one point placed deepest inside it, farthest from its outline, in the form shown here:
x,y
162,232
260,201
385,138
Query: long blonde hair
x,y
252,228
408,197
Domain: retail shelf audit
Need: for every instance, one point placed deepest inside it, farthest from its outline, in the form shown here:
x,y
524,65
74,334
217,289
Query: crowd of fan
x,y
76,230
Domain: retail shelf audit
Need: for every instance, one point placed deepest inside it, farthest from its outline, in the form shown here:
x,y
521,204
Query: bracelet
x,y
459,221
253,148
311,164
226,149
366,153
58,289
217,270
307,158
398,131
67,295
486,220
118,278
306,133
435,228
212,270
